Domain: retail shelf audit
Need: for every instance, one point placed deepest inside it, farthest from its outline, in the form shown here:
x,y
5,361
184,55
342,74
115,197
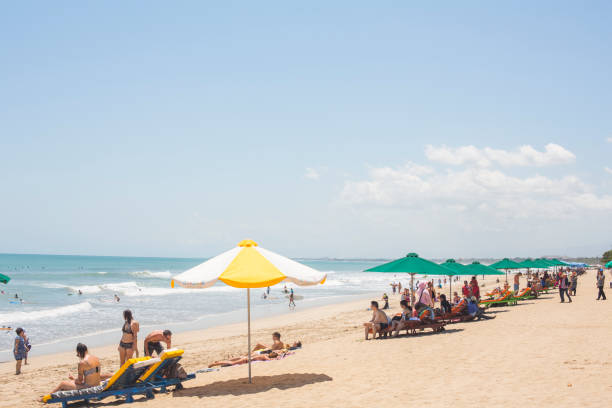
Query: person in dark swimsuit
x,y
129,337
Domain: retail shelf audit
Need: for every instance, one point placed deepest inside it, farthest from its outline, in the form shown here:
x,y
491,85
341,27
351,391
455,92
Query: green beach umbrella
x,y
558,262
609,264
506,264
412,264
456,267
4,279
479,269
544,263
529,264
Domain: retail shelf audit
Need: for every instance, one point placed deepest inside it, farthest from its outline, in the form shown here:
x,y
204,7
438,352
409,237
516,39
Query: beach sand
x,y
540,352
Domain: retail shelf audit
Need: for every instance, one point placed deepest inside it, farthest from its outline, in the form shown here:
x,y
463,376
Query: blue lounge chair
x,y
154,376
122,383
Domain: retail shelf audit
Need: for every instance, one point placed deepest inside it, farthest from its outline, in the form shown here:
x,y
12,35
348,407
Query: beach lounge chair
x,y
122,383
154,376
505,298
424,322
524,294
456,315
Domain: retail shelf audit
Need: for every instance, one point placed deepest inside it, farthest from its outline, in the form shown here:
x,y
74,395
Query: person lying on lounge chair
x,y
379,322
244,360
88,372
399,322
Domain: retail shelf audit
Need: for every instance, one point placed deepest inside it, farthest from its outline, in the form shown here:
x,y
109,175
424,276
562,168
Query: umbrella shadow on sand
x,y
241,386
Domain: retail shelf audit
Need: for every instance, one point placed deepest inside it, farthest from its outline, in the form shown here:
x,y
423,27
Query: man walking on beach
x,y
600,284
516,282
573,283
563,288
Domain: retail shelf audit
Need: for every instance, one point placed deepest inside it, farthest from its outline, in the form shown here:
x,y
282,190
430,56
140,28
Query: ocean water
x,y
56,317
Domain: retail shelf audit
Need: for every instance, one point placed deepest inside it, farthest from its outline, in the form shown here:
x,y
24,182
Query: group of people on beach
x,y
424,304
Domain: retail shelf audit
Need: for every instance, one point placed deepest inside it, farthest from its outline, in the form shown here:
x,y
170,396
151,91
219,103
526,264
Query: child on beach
x,y
19,349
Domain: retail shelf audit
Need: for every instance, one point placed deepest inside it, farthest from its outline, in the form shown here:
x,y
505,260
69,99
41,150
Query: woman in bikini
x,y
88,372
129,337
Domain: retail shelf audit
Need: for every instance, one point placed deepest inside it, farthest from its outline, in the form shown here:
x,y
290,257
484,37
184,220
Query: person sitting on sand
x,y
456,299
277,344
244,359
88,372
153,342
379,322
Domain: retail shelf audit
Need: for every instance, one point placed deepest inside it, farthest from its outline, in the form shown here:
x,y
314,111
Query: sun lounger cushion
x,y
83,391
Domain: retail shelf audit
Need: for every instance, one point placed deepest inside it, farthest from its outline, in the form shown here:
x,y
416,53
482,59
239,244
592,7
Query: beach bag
x,y
174,371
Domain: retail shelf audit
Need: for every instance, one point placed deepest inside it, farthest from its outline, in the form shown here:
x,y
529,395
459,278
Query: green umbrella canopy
x,y
558,262
530,263
456,267
506,264
609,264
414,264
545,263
4,279
476,268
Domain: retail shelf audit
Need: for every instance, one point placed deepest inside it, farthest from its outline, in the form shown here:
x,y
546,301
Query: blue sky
x,y
162,129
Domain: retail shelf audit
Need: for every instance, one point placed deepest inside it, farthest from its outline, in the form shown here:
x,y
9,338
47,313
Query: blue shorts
x,y
516,286
19,356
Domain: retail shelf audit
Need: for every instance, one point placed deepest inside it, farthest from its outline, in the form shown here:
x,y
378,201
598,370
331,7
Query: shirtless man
x,y
378,323
153,342
277,344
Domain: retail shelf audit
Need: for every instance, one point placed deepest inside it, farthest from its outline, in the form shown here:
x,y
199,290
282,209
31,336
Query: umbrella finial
x,y
412,255
247,243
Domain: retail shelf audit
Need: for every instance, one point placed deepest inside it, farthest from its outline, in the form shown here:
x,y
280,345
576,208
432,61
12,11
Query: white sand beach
x,y
540,352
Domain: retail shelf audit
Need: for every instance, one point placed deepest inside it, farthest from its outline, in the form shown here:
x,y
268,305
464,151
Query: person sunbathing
x,y
379,322
244,359
89,374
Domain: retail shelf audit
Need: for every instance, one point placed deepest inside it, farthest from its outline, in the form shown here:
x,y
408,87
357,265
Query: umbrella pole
x,y
450,288
249,329
411,289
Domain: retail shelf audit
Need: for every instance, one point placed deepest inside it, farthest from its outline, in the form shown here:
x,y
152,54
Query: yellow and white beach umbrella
x,y
248,266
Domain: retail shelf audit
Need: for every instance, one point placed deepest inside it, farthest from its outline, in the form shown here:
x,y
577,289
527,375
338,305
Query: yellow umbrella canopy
x,y
248,266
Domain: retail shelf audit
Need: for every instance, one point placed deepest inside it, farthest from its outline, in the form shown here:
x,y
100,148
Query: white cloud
x,y
312,174
607,169
478,190
524,156
609,140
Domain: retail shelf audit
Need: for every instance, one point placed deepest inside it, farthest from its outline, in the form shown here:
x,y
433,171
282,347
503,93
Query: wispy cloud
x,y
312,174
608,170
609,140
526,155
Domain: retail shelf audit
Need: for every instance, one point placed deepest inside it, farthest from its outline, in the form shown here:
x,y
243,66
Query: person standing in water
x,y
291,300
129,337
